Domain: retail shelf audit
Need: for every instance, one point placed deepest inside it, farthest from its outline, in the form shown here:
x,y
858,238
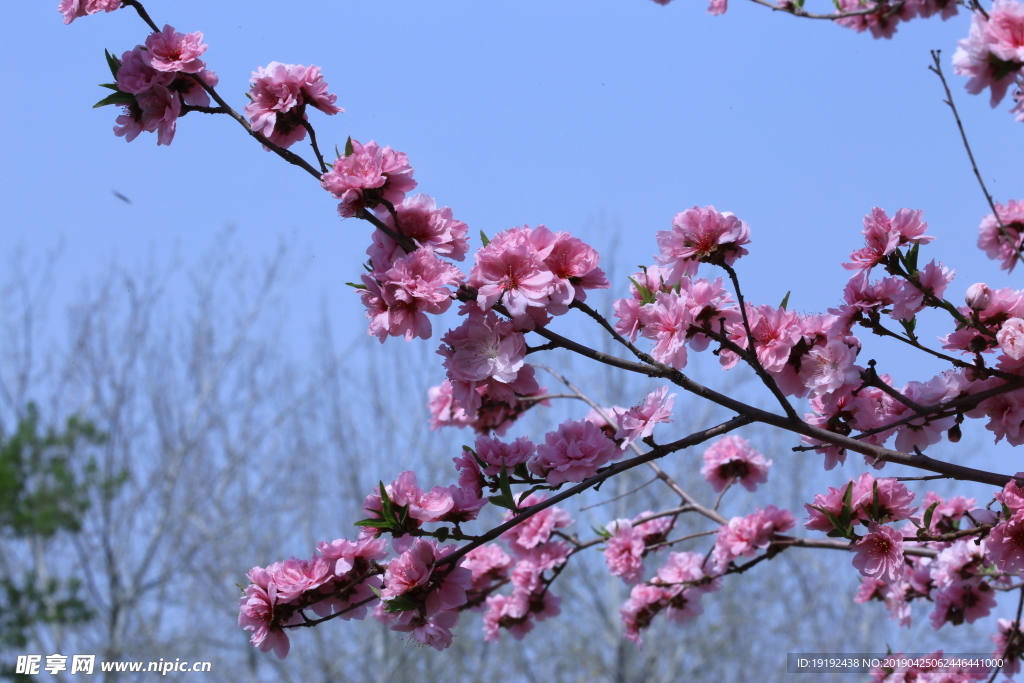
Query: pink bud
x,y
978,296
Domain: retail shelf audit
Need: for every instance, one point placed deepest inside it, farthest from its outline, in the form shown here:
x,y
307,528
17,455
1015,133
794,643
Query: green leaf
x,y
386,511
113,62
506,488
602,532
842,530
376,523
646,295
911,258
928,516
400,604
110,86
785,300
355,286
349,151
483,238
120,98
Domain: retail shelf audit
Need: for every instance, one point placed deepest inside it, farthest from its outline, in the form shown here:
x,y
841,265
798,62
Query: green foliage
x,y
47,485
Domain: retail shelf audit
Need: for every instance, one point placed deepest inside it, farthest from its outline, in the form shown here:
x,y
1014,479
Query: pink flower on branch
x,y
169,50
638,422
278,100
880,553
701,235
73,9
368,176
573,452
732,458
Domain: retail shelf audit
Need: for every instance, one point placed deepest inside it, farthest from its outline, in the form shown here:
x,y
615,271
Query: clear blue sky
x,y
576,115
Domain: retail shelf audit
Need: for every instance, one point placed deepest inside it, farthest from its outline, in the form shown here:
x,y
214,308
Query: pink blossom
x,y
667,321
537,529
686,570
978,296
574,266
511,269
444,411
486,351
367,177
496,454
882,23
429,227
572,453
169,50
993,53
963,560
827,368
624,551
72,9
933,278
1012,495
652,529
638,422
717,7
962,602
293,577
410,574
883,235
1009,641
732,458
160,111
742,536
348,556
135,76
1005,543
415,285
278,99
702,235
775,331
1011,338
645,601
880,553
487,563
426,507
434,630
256,613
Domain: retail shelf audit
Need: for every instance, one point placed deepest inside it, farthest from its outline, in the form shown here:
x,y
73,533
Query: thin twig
x,y
936,68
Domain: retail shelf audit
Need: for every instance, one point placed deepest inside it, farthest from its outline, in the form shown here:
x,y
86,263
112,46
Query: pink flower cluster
x,y
1003,244
278,99
535,554
676,590
335,580
491,416
871,500
993,53
72,9
638,422
160,78
733,459
743,536
573,452
367,177
486,356
701,235
628,543
534,273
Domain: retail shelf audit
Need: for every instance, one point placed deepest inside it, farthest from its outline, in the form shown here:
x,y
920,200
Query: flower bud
x,y
978,296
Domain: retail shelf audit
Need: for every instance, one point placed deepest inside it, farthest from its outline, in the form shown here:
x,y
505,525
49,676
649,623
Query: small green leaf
x,y
376,523
113,62
785,300
602,532
110,86
349,151
120,98
355,286
842,530
506,488
646,295
386,511
483,238
928,515
376,591
400,604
